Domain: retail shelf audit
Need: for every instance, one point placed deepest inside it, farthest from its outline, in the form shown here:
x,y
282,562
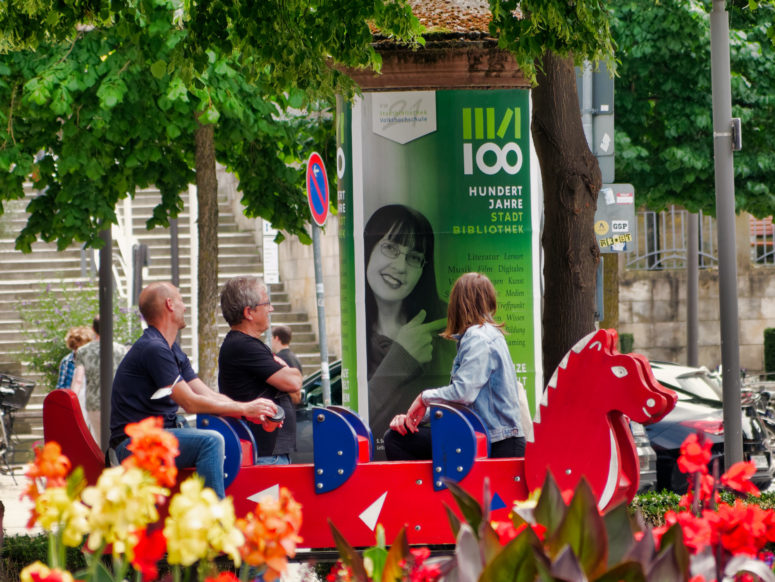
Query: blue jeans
x,y
274,460
200,449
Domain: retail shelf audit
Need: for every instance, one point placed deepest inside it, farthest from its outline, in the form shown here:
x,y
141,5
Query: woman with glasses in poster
x,y
404,313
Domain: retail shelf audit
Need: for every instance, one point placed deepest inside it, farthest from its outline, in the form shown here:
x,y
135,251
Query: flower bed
x,y
714,533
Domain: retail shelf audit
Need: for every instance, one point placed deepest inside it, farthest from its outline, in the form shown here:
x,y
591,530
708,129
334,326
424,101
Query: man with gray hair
x,y
247,369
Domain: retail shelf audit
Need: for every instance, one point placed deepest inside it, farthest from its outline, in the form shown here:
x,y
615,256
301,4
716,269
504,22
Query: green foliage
x,y
45,322
664,124
94,112
20,551
769,349
532,28
576,543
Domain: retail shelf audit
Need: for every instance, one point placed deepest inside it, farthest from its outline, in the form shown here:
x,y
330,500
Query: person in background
x,y
76,337
247,368
281,346
87,368
156,378
483,377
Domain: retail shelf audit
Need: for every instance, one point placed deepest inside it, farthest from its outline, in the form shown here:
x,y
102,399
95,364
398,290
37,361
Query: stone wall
x,y
652,306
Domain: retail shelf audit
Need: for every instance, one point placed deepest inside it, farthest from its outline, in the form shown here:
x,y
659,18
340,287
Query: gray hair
x,y
239,293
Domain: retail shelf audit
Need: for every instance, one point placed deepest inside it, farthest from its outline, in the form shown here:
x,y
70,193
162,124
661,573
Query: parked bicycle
x,y
14,395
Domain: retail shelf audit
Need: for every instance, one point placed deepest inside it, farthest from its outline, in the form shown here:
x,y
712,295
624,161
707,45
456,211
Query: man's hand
x,y
259,410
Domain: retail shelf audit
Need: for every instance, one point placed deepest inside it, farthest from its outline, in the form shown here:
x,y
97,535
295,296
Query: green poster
x,y
439,184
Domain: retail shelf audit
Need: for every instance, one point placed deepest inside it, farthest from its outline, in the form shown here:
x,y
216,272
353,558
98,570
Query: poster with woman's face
x,y
432,184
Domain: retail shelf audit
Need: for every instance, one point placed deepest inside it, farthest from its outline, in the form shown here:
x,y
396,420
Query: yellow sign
x,y
601,227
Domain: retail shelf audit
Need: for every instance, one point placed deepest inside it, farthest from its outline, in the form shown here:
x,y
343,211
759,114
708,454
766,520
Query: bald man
x,y
155,378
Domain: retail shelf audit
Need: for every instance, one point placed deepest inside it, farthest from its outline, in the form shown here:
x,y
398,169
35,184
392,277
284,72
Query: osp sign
x,y
480,147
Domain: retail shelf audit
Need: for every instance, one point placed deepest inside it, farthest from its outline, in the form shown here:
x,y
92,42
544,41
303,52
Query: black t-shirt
x,y
290,358
150,364
244,364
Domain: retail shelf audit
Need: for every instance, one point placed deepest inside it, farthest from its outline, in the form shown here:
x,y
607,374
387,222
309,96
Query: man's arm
x,y
197,397
288,380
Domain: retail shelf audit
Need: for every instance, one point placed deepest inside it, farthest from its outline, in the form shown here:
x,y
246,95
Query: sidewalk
x,y
17,511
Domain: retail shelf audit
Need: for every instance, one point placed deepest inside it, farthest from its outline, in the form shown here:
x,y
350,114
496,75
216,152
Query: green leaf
x,y
672,562
517,560
173,131
469,506
399,552
619,530
624,572
348,555
550,509
159,69
454,520
584,531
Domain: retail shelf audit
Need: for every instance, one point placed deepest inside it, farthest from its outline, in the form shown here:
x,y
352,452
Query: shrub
x,y
21,550
45,322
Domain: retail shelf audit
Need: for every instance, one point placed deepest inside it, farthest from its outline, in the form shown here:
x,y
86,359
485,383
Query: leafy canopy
x,y
664,117
100,98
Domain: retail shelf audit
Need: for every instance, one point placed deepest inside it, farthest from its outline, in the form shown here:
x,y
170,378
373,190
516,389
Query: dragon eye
x,y
619,371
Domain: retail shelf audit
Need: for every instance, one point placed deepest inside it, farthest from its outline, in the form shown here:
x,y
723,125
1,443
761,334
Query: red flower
x,y
148,550
420,571
741,528
223,577
696,530
706,490
738,478
695,454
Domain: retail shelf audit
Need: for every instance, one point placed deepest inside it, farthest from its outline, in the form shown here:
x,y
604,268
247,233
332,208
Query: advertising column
x,y
435,184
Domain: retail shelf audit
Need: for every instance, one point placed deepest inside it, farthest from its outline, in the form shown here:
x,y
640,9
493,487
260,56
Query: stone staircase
x,y
23,274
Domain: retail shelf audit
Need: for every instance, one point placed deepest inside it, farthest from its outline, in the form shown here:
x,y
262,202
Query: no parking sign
x,y
317,188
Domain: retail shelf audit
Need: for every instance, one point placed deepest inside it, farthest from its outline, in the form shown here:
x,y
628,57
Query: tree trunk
x,y
571,181
207,302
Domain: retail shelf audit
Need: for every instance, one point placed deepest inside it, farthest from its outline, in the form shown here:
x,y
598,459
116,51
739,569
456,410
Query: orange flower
x,y
153,449
738,478
49,464
695,454
271,534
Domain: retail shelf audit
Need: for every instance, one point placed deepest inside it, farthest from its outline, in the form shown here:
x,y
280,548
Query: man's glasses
x,y
261,304
391,250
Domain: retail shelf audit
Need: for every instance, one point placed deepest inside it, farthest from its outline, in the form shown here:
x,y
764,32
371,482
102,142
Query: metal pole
x,y
325,378
692,285
725,212
106,333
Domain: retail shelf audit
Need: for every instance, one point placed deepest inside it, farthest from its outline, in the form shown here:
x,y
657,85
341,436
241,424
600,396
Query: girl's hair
x,y
407,227
471,302
78,336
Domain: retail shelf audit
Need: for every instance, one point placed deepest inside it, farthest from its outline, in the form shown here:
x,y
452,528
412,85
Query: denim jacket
x,y
483,374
